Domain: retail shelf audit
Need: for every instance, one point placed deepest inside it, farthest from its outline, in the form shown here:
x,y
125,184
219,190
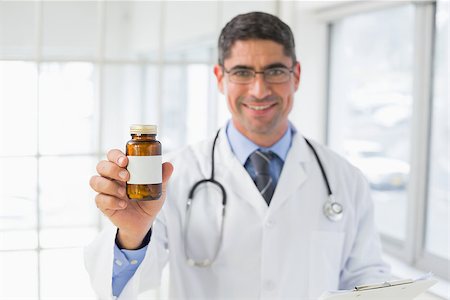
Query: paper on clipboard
x,y
402,289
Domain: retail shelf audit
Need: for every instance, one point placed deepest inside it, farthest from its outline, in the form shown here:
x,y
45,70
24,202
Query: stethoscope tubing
x,y
331,209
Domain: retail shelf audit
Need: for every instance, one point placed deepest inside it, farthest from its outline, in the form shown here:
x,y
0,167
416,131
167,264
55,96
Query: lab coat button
x,y
118,262
133,262
269,285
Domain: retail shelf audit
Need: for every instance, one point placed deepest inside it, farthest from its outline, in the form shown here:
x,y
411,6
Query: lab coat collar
x,y
294,172
292,176
236,176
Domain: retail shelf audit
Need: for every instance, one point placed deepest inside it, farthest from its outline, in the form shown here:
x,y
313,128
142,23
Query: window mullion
x,y
160,66
417,189
39,46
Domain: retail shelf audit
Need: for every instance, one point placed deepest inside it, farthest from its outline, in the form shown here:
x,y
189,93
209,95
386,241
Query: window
x,y
371,103
385,82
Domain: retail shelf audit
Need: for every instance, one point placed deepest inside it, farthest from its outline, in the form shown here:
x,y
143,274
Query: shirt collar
x,y
242,147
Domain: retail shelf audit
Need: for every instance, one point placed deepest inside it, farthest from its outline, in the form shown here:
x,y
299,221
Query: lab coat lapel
x,y
294,172
237,181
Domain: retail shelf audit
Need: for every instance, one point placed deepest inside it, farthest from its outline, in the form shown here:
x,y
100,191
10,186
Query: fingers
x,y
112,170
118,157
114,167
106,186
113,191
109,204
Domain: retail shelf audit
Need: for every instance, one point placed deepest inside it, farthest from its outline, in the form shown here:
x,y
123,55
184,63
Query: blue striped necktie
x,y
263,180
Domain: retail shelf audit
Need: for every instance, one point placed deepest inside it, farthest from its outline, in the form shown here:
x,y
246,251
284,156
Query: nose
x,y
259,87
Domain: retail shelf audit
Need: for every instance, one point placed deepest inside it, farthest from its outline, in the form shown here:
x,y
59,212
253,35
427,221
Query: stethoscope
x,y
332,210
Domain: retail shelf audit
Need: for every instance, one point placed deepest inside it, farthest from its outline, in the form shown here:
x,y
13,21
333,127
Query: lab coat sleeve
x,y
98,260
99,257
148,275
365,263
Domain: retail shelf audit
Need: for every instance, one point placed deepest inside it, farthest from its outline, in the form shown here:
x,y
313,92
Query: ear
x,y
218,71
297,72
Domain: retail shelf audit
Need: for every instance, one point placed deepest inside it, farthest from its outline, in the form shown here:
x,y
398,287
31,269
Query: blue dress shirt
x,y
126,262
242,148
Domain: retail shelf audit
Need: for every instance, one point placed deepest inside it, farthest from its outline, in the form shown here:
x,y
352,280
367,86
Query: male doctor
x,y
275,241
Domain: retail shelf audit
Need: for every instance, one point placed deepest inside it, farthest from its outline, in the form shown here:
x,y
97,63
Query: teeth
x,y
259,107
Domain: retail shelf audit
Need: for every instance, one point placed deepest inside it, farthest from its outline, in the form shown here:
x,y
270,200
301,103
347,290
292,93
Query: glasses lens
x,y
242,75
277,75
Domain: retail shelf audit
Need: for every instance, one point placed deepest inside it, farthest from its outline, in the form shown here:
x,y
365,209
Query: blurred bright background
x,y
75,74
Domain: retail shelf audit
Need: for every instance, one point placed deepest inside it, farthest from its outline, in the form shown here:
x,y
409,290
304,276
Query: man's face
x,y
258,108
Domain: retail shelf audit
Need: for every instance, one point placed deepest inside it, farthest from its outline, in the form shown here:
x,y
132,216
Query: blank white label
x,y
145,169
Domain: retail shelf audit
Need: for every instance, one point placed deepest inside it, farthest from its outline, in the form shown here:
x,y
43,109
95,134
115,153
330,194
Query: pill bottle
x,y
144,163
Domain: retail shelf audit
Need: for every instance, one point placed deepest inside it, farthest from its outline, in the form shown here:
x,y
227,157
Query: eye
x,y
275,72
242,73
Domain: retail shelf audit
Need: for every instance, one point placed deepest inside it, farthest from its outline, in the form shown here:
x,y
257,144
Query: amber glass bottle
x,y
144,163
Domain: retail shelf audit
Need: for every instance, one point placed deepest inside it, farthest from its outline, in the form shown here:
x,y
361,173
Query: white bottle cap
x,y
143,129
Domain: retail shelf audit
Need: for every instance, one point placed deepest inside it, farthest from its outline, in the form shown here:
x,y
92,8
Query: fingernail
x,y
121,191
121,160
123,174
122,203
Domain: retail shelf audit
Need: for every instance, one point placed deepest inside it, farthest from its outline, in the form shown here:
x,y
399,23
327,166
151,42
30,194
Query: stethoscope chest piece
x,y
333,210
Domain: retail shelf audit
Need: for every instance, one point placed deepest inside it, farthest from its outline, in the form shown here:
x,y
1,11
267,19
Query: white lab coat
x,y
288,250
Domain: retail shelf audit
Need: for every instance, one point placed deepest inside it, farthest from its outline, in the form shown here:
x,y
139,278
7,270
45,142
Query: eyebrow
x,y
274,65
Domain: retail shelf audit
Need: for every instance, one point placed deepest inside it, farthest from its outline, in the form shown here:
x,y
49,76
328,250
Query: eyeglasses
x,y
270,75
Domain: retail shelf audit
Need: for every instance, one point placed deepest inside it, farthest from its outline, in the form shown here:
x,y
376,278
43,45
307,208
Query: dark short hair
x,y
256,25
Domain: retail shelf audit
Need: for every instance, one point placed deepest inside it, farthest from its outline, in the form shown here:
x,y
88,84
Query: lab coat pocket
x,y
324,266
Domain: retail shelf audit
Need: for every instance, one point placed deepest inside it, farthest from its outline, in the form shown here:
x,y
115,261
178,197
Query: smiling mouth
x,y
259,107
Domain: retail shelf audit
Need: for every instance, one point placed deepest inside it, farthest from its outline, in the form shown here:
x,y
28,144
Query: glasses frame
x,y
291,70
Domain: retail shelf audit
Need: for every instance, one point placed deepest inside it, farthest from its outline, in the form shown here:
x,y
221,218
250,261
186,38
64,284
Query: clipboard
x,y
406,289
